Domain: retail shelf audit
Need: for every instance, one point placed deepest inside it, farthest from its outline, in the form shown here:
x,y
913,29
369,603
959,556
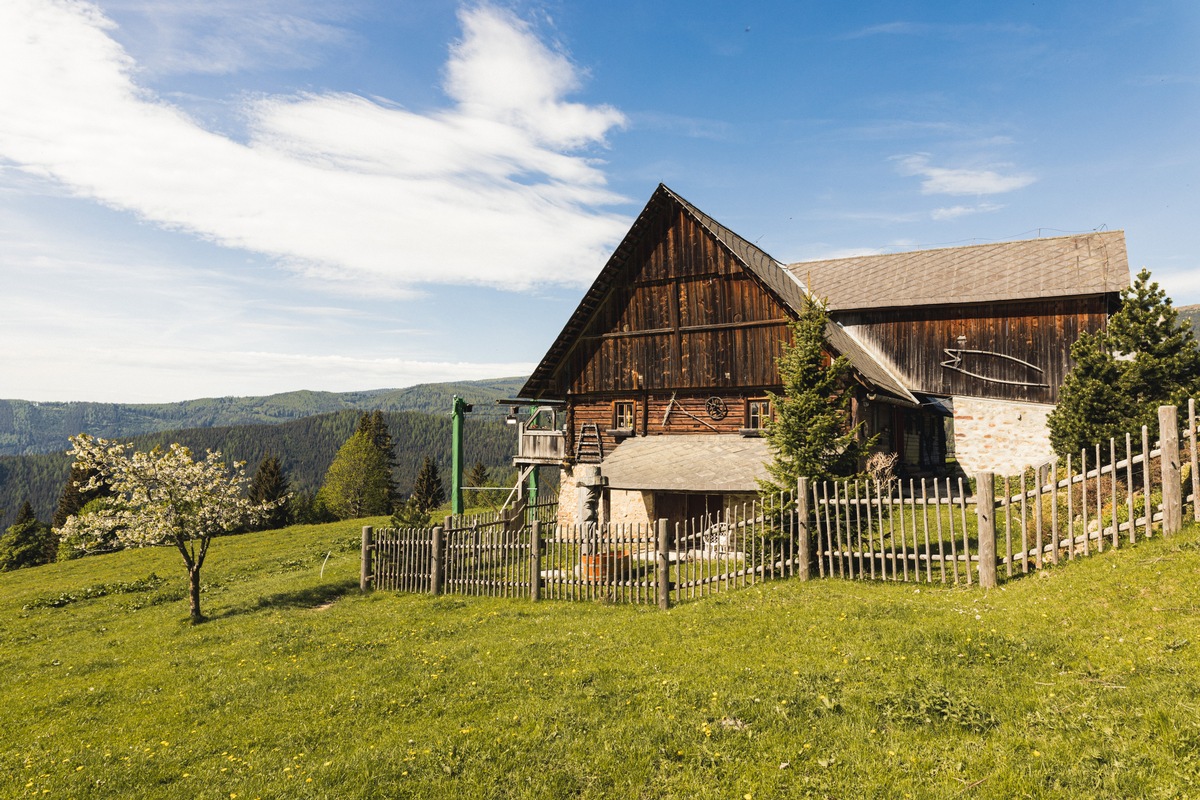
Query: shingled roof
x,y
785,286
1061,266
717,463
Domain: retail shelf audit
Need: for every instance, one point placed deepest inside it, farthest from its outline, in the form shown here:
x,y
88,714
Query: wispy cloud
x,y
938,30
954,212
217,37
498,188
960,181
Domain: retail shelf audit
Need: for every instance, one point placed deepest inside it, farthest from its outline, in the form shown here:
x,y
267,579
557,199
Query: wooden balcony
x,y
541,439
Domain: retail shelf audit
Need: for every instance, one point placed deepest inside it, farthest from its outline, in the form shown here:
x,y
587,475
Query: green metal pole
x,y
456,467
533,486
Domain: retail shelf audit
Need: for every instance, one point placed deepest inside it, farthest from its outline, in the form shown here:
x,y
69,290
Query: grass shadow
x,y
309,598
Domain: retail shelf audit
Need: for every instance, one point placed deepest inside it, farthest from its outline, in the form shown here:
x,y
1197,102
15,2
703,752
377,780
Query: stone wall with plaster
x,y
1000,436
630,507
568,497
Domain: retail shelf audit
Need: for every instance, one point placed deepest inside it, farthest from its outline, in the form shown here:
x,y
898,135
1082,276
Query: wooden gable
x,y
680,313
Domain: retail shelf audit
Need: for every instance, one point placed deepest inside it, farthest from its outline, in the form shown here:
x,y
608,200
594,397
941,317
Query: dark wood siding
x,y
688,415
1003,334
684,316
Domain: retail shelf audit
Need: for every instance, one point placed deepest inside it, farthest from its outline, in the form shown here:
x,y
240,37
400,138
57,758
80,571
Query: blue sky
x,y
220,197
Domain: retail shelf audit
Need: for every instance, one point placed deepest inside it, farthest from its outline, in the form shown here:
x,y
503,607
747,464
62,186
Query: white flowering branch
x,y
162,497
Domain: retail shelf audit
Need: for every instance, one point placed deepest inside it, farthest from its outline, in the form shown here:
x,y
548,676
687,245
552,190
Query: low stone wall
x,y
1000,436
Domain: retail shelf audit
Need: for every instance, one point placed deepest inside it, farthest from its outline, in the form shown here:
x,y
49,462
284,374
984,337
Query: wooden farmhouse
x,y
660,378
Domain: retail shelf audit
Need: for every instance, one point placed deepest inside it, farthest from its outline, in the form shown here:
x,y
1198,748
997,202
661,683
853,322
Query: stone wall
x,y
568,497
1001,436
630,507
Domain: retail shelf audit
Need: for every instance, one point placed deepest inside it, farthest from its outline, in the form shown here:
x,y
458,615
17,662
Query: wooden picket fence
x,y
640,564
933,532
927,532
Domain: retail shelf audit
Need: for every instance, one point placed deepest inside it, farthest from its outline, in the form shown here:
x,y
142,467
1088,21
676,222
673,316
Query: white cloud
x,y
954,212
116,324
359,194
218,37
943,180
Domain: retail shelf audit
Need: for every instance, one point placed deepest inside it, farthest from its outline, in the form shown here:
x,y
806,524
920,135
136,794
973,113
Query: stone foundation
x,y
1000,436
630,507
568,497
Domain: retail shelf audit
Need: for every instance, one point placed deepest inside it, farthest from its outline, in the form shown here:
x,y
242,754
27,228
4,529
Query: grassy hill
x,y
1082,682
28,427
305,447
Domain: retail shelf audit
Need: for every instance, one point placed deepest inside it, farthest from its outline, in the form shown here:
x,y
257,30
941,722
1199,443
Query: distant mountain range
x,y
29,427
303,429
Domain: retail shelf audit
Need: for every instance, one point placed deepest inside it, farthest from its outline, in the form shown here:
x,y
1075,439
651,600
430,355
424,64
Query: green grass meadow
x,y
1080,682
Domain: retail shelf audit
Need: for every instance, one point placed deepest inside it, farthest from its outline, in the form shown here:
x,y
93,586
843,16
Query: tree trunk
x,y
194,585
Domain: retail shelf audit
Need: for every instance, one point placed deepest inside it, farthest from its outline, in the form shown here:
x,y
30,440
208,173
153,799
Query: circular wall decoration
x,y
716,408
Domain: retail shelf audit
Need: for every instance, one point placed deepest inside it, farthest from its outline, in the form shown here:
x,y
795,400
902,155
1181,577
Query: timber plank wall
x,y
1038,332
688,414
683,315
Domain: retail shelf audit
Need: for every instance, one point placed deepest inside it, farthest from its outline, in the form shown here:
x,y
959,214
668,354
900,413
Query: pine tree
x,y
810,434
356,484
478,477
374,426
270,485
73,499
428,491
1145,358
27,542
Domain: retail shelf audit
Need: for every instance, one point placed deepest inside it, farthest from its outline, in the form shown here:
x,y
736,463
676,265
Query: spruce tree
x,y
270,485
27,542
810,434
428,491
1145,358
356,484
73,499
374,426
478,477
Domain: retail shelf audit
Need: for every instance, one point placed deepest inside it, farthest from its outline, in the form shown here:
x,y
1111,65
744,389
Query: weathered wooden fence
x,y
645,564
934,532
927,532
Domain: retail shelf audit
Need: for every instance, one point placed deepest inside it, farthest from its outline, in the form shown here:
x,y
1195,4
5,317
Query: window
x,y
623,411
758,414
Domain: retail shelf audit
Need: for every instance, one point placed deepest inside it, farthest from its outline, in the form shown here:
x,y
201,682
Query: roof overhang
x,y
716,464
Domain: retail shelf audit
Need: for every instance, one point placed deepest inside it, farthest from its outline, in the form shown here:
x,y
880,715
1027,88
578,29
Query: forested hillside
x,y
304,446
28,427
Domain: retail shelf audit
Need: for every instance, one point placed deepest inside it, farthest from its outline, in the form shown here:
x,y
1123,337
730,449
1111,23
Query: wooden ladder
x,y
588,447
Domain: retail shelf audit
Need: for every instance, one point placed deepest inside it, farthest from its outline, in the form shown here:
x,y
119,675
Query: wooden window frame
x,y
751,402
617,417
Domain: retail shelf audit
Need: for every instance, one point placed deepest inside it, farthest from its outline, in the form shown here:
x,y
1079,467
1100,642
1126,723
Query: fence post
x,y
985,511
365,576
802,542
1168,438
535,561
663,584
1192,454
435,563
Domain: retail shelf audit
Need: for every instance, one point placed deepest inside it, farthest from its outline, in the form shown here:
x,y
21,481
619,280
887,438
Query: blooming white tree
x,y
162,497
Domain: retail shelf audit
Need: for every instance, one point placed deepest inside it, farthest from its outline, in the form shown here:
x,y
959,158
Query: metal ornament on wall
x,y
716,408
978,358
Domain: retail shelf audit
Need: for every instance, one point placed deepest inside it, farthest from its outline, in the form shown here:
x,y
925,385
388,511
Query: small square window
x,y
623,415
758,414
